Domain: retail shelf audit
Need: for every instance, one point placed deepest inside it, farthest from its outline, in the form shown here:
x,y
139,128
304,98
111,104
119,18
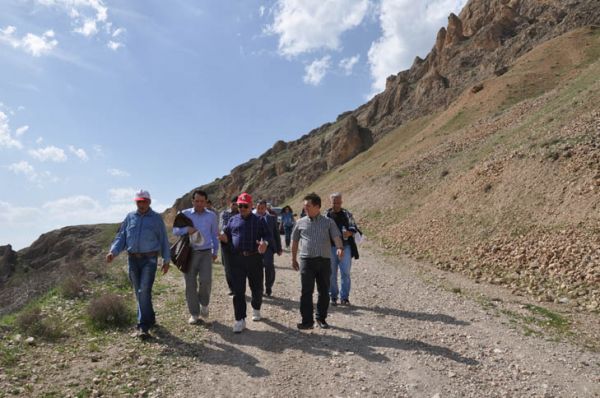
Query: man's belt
x,y
247,253
144,255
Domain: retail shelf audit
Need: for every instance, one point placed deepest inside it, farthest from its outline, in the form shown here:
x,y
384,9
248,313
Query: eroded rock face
x,y
483,40
8,260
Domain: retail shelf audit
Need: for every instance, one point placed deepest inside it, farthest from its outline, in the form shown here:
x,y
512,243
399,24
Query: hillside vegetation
x,y
503,185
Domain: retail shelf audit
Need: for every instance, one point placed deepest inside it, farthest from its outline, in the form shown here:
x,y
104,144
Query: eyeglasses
x,y
243,206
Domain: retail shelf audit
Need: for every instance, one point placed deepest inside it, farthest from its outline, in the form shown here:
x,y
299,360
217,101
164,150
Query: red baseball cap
x,y
142,195
244,198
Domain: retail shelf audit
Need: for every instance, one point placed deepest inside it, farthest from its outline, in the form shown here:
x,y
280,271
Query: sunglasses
x,y
243,206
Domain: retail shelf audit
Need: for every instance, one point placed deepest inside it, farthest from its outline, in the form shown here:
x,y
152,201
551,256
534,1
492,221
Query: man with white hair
x,y
144,235
345,222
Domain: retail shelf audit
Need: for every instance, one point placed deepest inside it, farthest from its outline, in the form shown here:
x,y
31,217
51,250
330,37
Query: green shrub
x,y
109,311
72,287
33,323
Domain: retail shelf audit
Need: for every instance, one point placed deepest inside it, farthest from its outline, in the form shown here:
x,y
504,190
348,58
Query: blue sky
x,y
101,97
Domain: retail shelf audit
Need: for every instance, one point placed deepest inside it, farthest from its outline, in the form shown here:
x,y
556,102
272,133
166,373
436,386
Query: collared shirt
x,y
142,233
206,223
314,235
243,233
225,216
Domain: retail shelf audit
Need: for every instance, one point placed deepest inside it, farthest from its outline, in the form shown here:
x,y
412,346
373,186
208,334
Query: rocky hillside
x,y
482,42
503,185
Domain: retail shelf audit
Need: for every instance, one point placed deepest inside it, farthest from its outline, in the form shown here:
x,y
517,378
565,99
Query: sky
x,y
99,98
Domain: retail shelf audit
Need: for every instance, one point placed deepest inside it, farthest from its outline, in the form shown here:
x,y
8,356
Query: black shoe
x,y
304,326
268,292
345,302
144,335
231,293
334,302
322,324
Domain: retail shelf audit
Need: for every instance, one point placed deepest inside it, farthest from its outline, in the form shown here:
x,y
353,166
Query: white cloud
x,y
21,130
88,16
409,29
98,151
30,43
347,64
113,45
117,173
309,25
6,139
39,140
49,153
23,167
120,195
79,152
316,71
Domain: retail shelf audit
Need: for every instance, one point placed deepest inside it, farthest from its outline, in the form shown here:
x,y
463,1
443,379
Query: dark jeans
x,y
141,274
225,254
243,267
288,234
316,269
269,265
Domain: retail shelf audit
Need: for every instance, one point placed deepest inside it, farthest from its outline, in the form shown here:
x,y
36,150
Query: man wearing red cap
x,y
247,236
144,235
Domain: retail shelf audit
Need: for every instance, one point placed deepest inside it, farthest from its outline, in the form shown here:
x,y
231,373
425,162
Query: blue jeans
x,y
344,266
141,274
287,229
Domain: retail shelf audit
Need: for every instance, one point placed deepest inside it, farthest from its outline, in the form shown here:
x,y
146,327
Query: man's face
x,y
311,209
199,203
143,205
245,209
234,207
336,204
261,208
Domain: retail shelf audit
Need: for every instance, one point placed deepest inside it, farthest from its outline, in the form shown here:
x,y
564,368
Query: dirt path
x,y
401,337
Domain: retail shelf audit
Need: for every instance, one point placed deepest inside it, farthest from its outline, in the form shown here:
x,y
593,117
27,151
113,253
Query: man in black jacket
x,y
274,246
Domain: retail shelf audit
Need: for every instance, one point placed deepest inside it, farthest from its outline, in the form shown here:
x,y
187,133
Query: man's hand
x,y
295,265
214,258
347,234
340,253
279,252
109,257
262,246
165,267
191,230
223,237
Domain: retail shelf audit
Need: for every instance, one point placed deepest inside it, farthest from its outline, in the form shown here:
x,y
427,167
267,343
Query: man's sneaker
x,y
144,335
322,324
345,302
268,292
204,311
334,302
193,319
304,326
238,326
256,315
231,294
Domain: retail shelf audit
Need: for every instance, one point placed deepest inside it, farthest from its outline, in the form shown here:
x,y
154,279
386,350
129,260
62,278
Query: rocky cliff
x,y
483,41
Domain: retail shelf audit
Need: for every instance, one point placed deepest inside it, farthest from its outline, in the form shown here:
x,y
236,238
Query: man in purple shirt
x,y
248,236
204,242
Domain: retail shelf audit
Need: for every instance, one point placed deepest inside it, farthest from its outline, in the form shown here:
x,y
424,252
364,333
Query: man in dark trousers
x,y
225,216
274,246
144,236
313,234
249,237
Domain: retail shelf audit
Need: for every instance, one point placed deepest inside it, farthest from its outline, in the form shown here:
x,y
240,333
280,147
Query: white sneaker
x,y
238,326
256,315
193,320
204,311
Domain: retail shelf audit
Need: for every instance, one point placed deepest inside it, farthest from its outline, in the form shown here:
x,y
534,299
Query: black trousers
x,y
242,268
316,269
225,254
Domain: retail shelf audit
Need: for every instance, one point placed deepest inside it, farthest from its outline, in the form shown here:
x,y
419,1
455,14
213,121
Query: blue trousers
x,y
344,266
141,274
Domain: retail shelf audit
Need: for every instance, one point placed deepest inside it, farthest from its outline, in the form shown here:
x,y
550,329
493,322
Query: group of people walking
x,y
321,245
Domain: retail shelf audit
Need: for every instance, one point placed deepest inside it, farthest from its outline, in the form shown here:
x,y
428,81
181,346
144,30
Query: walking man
x,y
144,235
204,242
345,223
225,250
313,235
249,236
274,246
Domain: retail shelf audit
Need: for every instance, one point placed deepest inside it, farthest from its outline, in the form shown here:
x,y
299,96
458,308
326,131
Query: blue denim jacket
x,y
142,233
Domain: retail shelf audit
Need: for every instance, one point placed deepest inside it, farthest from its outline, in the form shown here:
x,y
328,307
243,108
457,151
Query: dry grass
x,y
109,311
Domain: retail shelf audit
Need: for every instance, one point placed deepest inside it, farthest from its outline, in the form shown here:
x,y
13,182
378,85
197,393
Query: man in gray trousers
x,y
205,245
